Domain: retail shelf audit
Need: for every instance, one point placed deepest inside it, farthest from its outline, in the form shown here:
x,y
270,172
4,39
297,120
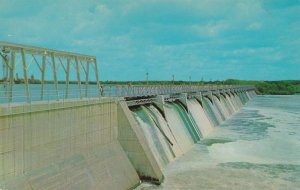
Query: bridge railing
x,y
152,90
51,101
20,95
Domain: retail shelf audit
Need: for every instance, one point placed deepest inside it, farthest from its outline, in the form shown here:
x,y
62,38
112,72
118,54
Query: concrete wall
x,y
63,146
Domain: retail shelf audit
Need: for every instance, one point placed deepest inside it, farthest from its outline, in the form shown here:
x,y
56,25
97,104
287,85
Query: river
x,y
257,148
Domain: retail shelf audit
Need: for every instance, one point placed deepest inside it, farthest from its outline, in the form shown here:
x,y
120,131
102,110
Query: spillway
x,y
173,127
158,141
201,118
180,126
212,115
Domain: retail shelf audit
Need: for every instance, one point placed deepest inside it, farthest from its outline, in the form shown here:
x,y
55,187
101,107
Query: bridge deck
x,y
136,91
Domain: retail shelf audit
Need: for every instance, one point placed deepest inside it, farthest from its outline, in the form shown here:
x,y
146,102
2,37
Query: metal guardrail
x,y
139,94
153,90
49,95
127,91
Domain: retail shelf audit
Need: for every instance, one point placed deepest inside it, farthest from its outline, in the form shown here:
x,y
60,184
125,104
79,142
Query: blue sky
x,y
209,39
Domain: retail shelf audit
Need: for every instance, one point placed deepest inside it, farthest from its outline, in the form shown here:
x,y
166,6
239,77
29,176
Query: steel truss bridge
x,y
51,66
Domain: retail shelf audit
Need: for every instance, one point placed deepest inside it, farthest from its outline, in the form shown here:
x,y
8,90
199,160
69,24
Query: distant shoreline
x,y
283,87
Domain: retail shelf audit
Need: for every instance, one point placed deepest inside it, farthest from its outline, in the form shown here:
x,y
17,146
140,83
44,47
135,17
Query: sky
x,y
201,39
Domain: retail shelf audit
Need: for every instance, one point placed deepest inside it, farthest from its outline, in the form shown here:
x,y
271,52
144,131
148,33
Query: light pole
x,y
147,77
173,78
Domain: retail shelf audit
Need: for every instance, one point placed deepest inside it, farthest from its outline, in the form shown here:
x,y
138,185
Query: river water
x,y
257,148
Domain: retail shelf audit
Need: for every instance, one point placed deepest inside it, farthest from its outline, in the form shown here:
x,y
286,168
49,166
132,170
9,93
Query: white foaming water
x,y
276,140
167,130
234,100
221,108
178,128
226,105
228,99
239,101
156,140
248,95
258,148
199,117
227,111
216,112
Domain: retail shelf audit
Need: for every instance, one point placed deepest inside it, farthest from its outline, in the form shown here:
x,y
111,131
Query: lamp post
x,y
147,77
173,78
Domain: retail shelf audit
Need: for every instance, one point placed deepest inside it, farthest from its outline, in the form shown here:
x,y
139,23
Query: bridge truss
x,y
44,67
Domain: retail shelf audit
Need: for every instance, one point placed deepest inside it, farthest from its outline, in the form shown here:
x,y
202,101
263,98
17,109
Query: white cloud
x,y
211,29
173,35
103,9
254,26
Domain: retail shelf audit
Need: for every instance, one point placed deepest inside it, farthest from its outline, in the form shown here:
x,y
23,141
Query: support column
x,y
96,74
78,76
11,75
43,74
54,75
67,78
5,61
87,79
25,75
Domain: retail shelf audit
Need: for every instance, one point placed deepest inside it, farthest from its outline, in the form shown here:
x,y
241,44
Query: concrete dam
x,y
114,138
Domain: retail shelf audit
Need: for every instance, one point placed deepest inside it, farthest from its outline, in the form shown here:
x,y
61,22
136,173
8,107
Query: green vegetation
x,y
284,87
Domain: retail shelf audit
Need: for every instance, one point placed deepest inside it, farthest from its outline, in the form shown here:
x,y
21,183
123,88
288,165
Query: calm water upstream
x,y
258,148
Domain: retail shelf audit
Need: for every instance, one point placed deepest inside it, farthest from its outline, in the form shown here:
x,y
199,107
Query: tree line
x,y
283,87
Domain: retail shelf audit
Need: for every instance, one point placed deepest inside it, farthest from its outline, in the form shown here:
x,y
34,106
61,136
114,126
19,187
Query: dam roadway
x,y
99,137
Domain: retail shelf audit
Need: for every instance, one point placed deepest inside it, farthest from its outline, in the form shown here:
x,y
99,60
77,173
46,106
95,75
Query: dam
x,y
61,135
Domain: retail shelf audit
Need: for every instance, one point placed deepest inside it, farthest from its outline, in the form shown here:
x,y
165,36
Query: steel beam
x,y
67,78
54,75
39,50
11,75
86,79
78,77
43,74
25,75
96,72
